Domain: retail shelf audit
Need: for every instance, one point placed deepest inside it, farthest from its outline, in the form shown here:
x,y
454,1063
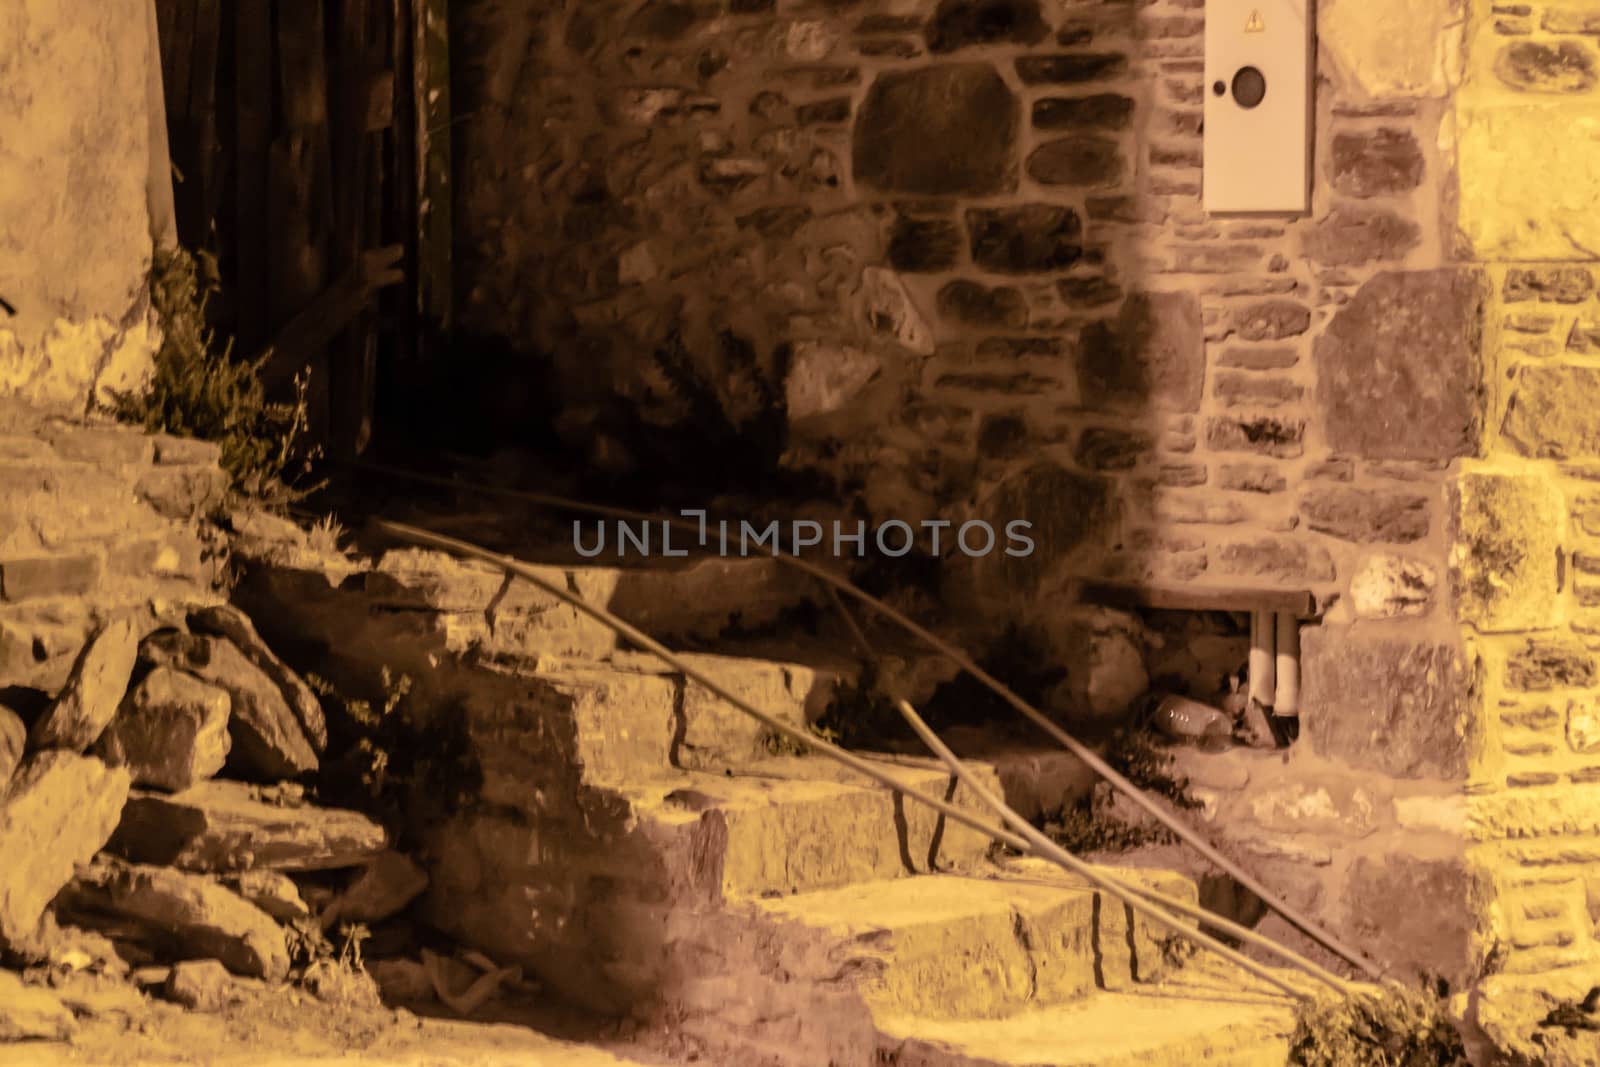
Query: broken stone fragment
x,y
29,1013
202,985
93,690
59,812
13,736
268,741
383,888
225,620
223,826
172,731
190,917
273,892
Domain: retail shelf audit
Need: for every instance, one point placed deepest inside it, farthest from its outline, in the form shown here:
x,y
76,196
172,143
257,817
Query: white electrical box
x,y
1258,106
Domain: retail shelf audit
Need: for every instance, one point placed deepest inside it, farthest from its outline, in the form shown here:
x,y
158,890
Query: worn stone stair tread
x,y
1032,937
1158,1027
793,824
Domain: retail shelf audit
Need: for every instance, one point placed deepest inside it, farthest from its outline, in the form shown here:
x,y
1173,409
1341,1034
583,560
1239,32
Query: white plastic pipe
x,y
1263,665
1288,653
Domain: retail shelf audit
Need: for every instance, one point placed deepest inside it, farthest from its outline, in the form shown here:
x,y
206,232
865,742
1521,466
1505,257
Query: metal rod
x,y
1049,850
1292,915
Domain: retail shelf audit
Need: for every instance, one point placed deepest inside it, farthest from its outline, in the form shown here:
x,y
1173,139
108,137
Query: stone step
x,y
414,604
988,944
798,824
1161,1027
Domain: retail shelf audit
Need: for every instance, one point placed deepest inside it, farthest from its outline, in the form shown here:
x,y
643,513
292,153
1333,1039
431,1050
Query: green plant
x,y
199,390
1092,827
305,941
1396,1027
1141,760
861,715
350,950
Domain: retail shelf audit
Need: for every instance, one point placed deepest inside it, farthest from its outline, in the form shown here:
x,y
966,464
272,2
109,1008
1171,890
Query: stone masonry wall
x,y
1525,515
951,254
76,195
97,521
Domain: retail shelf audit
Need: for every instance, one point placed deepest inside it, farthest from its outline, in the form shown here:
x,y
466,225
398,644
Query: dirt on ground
x,y
283,1026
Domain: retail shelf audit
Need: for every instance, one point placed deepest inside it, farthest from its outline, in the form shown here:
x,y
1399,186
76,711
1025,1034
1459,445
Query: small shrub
x,y
1395,1028
199,390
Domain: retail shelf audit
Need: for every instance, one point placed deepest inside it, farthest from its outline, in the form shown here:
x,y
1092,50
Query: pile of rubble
x,y
154,836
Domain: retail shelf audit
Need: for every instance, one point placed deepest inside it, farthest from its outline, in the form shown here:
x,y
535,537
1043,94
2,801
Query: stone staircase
x,y
645,850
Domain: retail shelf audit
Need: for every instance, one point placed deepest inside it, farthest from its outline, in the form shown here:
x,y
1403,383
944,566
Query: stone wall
x,y
1524,514
98,521
952,256
83,172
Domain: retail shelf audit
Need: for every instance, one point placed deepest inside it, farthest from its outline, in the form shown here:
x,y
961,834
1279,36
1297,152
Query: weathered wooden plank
x,y
311,331
434,132
380,101
1297,602
252,63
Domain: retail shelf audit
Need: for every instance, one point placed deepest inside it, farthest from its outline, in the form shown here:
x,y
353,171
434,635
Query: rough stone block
x,y
1272,320
89,700
1550,663
1084,160
1509,207
1375,163
1389,586
1099,111
182,492
925,245
958,24
105,446
1505,563
971,304
1033,238
1393,367
58,813
1151,356
22,579
1436,932
1365,515
1269,436
1277,560
1552,413
1351,236
1396,706
171,731
1537,67
1070,69
938,131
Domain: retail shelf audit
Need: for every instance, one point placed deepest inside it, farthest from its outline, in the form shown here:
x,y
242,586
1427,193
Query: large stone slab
x,y
31,1013
1397,368
172,731
1388,704
938,131
225,620
60,810
222,826
188,916
93,692
1507,151
1394,50
1504,562
1152,356
268,741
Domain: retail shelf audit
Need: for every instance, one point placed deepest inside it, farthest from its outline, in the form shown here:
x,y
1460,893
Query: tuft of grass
x,y
1397,1027
198,389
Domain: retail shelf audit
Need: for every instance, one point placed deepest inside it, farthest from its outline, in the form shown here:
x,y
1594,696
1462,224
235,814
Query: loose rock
x,y
225,620
28,1013
268,741
93,691
61,809
201,985
383,889
172,731
222,826
273,892
190,916
13,736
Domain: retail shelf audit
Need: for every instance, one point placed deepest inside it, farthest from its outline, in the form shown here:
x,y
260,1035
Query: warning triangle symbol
x,y
1256,24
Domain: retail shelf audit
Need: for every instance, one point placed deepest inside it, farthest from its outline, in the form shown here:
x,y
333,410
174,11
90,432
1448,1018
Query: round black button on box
x,y
1249,87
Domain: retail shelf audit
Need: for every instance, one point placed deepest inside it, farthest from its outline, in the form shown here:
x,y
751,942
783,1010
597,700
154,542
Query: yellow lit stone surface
x,y
1510,207
1504,560
1406,49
